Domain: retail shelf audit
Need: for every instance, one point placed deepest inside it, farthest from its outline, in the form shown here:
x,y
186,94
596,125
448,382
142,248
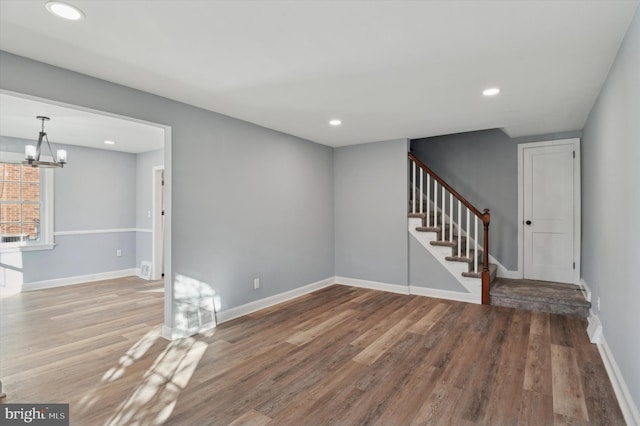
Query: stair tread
x,y
493,268
428,228
463,257
443,243
539,291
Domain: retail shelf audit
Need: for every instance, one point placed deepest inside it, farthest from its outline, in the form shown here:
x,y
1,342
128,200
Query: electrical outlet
x,y
148,213
256,283
119,253
598,303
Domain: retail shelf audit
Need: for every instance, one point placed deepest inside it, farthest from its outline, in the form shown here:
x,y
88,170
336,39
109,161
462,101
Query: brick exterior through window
x,y
19,201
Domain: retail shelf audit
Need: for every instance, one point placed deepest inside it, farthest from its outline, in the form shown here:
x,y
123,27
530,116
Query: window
x,y
25,204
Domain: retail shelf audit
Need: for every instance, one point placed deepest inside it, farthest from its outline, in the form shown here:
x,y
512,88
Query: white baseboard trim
x,y
627,405
59,282
232,313
594,329
586,289
373,285
172,333
446,294
503,272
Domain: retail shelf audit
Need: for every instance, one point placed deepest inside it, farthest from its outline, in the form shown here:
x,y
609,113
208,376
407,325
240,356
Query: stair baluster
x,y
450,217
459,233
475,248
433,202
428,199
444,215
467,228
413,189
421,188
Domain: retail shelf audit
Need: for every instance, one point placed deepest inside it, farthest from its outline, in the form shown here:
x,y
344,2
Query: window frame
x,y
46,208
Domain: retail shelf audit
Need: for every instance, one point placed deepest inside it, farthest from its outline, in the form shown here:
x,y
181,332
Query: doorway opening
x,y
158,215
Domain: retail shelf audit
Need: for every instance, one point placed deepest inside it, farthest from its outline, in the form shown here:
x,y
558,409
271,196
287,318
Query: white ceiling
x,y
388,69
72,126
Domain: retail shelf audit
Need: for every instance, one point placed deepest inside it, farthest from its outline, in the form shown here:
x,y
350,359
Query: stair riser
x,y
553,308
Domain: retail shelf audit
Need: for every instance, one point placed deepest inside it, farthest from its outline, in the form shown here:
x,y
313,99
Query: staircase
x,y
453,242
447,225
433,208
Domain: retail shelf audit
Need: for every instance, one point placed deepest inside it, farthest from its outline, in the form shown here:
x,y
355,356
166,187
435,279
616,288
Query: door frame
x,y
577,214
157,243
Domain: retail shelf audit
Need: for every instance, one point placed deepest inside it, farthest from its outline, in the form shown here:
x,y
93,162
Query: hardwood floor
x,y
341,355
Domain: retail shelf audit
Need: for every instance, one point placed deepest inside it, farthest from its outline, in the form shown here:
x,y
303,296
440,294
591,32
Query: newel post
x,y
486,278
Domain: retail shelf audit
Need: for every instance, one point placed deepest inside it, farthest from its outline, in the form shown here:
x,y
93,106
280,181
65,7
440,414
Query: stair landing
x,y
545,296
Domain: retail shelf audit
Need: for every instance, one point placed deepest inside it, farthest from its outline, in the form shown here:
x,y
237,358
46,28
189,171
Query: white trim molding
x,y
444,294
627,405
176,333
586,291
232,313
100,231
28,247
81,279
373,285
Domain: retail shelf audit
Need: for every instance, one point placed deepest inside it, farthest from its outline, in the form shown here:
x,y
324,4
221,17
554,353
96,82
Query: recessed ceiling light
x,y
64,10
110,142
335,122
492,91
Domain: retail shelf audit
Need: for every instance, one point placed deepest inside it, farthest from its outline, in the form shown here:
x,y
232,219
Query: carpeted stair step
x,y
423,216
453,245
555,298
493,271
424,228
464,258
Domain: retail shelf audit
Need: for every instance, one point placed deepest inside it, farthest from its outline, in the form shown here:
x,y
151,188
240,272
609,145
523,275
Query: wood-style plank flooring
x,y
341,355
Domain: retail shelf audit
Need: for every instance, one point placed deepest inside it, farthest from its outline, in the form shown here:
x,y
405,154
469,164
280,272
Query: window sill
x,y
30,247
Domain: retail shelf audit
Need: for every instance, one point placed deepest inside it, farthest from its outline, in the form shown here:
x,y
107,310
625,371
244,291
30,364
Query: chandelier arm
x,y
53,155
39,145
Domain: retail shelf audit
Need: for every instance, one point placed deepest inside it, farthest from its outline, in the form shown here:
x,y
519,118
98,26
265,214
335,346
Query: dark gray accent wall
x,y
247,201
610,206
371,212
483,167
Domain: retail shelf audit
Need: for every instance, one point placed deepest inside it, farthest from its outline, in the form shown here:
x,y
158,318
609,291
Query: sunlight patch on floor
x,y
154,398
133,354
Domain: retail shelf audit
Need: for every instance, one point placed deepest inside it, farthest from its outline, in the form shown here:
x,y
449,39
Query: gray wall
x,y
610,206
426,271
483,167
261,204
145,162
94,191
371,212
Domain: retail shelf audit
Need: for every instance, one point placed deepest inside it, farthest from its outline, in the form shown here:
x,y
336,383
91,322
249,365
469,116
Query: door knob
x,y
528,222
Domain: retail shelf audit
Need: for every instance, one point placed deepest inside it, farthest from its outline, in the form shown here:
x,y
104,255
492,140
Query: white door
x,y
548,212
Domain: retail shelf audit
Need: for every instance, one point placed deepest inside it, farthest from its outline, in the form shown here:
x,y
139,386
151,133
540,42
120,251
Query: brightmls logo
x,y
35,414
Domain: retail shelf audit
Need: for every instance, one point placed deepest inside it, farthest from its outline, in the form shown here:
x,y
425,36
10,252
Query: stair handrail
x,y
484,216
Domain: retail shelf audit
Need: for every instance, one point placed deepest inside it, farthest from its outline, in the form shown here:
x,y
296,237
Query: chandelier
x,y
32,152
